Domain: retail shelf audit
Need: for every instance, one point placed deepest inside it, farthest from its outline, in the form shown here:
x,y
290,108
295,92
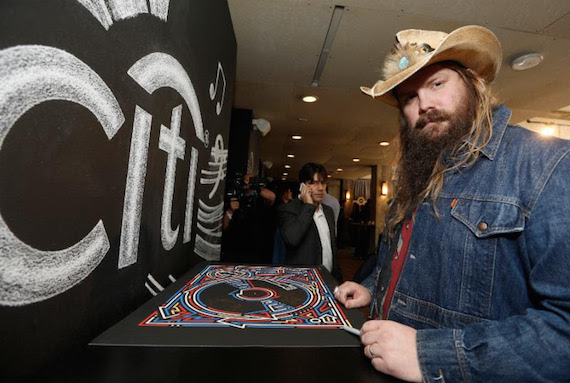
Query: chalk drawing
x,y
171,142
214,89
159,8
130,229
127,9
207,250
206,138
218,165
210,216
99,10
31,75
117,10
190,195
155,283
157,286
209,223
158,70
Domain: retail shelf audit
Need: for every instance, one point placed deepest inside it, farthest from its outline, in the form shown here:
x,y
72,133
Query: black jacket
x,y
301,235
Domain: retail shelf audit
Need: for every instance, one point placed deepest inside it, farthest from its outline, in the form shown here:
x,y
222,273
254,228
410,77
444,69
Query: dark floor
x,y
349,264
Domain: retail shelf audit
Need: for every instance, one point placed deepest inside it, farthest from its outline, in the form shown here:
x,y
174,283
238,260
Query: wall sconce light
x,y
347,195
384,184
384,188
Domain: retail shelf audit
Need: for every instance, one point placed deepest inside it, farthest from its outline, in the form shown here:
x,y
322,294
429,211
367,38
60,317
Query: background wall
x,y
114,120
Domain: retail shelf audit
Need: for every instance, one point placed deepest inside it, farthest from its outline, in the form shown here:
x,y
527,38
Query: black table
x,y
168,354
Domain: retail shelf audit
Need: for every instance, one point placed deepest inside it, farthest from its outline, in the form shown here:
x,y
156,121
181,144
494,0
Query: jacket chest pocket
x,y
487,223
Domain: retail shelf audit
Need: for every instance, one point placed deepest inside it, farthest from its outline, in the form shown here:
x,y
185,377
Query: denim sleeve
x,y
370,280
534,346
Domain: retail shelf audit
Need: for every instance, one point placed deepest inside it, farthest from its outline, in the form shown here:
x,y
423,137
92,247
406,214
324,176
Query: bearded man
x,y
472,280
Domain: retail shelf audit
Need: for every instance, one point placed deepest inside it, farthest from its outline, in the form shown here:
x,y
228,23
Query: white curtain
x,y
362,189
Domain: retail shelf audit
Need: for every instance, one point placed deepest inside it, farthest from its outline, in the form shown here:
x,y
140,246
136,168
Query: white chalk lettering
x,y
159,70
117,10
218,164
34,74
171,142
159,8
127,9
31,75
99,10
207,250
190,195
209,223
134,189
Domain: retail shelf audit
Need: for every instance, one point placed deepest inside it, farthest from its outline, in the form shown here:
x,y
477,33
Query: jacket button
x,y
482,226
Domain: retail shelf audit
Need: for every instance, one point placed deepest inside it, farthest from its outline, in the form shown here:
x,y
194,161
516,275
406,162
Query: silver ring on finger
x,y
372,354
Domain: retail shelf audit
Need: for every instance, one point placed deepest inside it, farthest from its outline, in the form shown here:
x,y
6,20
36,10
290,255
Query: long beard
x,y
421,152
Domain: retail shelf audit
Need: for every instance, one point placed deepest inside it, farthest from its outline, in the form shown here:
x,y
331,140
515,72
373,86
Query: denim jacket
x,y
487,283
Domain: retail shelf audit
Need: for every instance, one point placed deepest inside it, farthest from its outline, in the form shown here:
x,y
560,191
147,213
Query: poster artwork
x,y
251,296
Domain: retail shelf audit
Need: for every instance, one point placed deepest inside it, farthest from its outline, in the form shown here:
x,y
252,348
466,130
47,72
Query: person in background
x,y
307,226
284,196
472,277
333,203
248,223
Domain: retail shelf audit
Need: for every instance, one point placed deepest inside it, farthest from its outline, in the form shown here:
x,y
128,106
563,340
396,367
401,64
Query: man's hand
x,y
391,347
267,195
352,295
305,194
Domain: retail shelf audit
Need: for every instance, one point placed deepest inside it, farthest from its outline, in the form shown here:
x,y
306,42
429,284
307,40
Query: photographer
x,y
248,221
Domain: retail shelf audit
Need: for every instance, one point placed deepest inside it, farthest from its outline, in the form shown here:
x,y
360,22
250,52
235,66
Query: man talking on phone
x,y
307,226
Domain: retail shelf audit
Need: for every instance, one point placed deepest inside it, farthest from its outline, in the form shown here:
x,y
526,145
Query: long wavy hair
x,y
464,154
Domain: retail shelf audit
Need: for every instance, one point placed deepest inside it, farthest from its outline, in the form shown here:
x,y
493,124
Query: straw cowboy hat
x,y
472,46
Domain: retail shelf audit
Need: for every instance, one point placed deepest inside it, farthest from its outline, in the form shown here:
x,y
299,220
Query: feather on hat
x,y
472,46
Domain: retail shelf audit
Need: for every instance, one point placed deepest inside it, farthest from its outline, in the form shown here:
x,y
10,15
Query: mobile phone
x,y
301,187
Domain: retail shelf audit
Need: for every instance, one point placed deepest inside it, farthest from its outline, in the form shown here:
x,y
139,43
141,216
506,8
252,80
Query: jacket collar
x,y
501,117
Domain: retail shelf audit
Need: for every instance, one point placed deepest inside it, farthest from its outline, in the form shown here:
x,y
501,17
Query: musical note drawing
x,y
214,89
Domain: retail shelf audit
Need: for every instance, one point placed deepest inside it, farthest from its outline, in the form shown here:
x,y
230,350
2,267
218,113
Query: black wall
x,y
100,196
239,138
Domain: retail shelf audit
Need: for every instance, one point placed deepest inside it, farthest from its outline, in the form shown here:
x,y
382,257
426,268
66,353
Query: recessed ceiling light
x,y
356,159
291,155
339,170
287,166
548,131
383,143
310,98
296,137
303,119
526,61
285,174
328,176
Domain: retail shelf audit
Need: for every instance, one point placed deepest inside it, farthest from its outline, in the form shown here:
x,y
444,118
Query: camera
x,y
240,186
246,189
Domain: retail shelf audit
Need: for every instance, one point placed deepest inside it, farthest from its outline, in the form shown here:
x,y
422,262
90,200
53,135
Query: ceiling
x,y
279,43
